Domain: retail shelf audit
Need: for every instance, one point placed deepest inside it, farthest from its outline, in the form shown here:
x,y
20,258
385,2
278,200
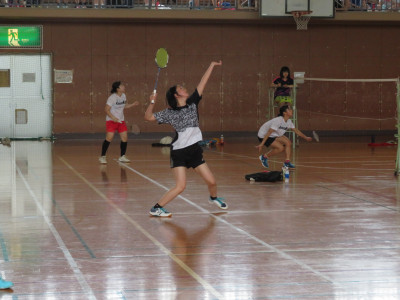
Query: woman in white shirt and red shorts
x,y
115,121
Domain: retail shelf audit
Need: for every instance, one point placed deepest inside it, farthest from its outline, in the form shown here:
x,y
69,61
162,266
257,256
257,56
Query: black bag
x,y
266,176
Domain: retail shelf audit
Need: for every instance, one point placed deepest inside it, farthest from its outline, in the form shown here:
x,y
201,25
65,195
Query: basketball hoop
x,y
301,17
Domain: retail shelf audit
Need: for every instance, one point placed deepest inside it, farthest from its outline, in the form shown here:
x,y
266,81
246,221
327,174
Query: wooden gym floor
x,y
73,229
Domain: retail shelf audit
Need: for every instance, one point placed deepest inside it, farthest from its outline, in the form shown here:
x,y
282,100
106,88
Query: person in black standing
x,y
283,85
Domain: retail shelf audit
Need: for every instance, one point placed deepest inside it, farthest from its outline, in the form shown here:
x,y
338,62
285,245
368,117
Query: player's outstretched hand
x,y
153,97
136,103
217,63
308,139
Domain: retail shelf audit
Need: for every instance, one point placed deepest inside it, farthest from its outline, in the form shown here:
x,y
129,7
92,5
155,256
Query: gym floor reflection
x,y
73,229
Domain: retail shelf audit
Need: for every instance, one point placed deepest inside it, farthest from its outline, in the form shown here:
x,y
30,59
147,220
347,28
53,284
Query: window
x,y
21,116
4,78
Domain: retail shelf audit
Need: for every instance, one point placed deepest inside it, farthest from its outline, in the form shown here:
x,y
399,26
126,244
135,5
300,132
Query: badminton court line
x,y
324,186
72,263
249,235
304,166
184,266
3,248
79,237
358,198
72,227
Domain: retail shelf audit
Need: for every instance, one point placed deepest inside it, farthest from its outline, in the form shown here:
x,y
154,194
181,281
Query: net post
x,y
271,106
298,79
294,107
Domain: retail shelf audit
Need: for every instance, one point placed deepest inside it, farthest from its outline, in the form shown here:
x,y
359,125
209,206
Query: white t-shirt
x,y
117,104
279,126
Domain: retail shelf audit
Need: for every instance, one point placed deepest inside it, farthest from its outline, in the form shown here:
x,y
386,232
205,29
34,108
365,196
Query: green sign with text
x,y
20,37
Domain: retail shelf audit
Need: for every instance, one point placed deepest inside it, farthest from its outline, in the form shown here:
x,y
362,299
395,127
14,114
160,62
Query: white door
x,y
26,99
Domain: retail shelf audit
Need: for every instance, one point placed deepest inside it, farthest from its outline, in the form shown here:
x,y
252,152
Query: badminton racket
x,y
315,135
161,62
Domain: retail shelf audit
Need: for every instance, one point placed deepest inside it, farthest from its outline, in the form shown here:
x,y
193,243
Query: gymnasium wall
x,y
236,96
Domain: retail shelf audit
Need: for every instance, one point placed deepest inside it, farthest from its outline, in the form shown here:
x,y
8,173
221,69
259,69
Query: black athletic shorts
x,y
268,142
189,157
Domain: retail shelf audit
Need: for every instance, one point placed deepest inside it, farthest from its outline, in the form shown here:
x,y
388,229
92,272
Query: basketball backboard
x,y
283,8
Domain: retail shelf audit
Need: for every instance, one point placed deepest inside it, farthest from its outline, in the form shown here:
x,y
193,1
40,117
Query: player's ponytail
x,y
171,100
282,110
115,87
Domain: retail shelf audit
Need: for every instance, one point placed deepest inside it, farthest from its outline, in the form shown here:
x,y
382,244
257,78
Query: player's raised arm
x,y
148,115
206,76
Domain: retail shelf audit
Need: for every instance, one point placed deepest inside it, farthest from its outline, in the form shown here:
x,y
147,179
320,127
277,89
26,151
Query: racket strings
x,y
161,58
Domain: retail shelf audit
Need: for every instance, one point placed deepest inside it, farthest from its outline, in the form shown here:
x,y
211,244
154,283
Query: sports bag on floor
x,y
266,176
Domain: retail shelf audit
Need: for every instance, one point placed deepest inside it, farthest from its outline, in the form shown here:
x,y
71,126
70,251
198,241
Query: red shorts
x,y
111,126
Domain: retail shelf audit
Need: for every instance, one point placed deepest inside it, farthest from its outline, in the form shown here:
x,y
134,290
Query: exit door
x,y
25,96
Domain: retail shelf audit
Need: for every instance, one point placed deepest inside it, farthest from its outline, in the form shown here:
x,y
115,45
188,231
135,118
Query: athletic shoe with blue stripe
x,y
160,212
289,165
218,202
264,161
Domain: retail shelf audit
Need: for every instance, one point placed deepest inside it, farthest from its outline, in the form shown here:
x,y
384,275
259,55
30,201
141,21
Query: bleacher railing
x,y
134,4
340,5
368,5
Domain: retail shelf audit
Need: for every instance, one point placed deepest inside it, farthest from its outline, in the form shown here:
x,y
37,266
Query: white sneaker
x,y
219,202
103,159
124,159
160,212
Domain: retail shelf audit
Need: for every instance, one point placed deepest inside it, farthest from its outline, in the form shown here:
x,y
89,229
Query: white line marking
x,y
77,272
306,166
208,287
276,250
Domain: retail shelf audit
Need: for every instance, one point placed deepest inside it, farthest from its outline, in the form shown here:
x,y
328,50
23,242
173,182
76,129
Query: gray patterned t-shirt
x,y
185,121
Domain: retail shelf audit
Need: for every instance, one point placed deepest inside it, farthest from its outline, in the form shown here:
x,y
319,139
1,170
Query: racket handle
x,y
155,86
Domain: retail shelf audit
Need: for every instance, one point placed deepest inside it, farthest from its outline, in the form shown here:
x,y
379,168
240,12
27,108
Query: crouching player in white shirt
x,y
271,134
